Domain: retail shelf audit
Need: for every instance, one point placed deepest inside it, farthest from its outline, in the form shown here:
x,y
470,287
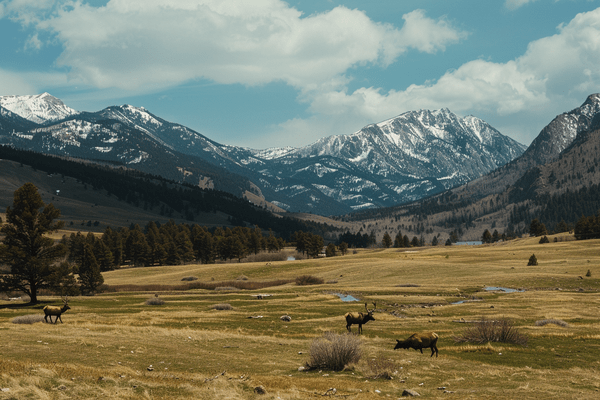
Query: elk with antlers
x,y
49,311
359,318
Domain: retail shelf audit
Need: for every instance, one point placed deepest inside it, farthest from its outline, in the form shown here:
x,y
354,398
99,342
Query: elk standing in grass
x,y
57,311
359,318
420,341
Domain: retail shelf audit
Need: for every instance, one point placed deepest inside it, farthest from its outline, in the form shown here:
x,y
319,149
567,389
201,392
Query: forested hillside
x,y
160,196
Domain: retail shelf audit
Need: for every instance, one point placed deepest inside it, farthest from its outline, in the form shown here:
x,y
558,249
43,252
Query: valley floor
x,y
228,343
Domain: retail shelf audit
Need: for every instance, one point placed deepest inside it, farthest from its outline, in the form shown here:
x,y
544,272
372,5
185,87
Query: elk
x,y
420,341
49,311
359,318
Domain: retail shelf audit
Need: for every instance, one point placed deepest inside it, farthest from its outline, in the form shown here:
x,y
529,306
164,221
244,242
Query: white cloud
x,y
514,4
26,83
144,45
558,67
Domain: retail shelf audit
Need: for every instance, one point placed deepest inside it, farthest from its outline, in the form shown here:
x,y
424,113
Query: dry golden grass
x,y
115,346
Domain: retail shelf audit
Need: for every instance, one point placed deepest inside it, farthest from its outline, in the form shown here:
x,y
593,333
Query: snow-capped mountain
x,y
40,108
553,139
416,154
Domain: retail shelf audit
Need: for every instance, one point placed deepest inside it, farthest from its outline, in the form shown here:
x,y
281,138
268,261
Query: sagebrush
x,y
309,280
334,352
155,301
485,331
28,319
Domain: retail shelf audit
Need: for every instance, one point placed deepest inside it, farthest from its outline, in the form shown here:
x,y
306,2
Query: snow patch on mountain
x,y
39,108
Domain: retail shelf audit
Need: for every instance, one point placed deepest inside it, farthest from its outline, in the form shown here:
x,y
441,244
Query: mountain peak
x,y
592,99
40,108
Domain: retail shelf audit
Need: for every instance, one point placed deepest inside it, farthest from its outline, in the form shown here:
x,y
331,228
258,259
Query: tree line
x,y
31,261
163,196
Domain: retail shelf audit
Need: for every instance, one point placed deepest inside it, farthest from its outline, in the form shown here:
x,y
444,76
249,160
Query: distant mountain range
x,y
556,180
414,155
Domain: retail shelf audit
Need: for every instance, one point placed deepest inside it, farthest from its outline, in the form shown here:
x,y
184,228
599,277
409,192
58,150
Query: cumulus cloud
x,y
559,66
146,44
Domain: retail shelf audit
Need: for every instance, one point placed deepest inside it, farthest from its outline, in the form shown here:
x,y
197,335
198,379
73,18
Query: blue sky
x,y
266,73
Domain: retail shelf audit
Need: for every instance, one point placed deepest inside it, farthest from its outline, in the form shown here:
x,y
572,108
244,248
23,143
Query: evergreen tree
x,y
171,253
536,228
398,240
90,276
495,236
343,247
25,248
136,247
185,248
415,242
486,237
315,246
103,255
387,240
330,250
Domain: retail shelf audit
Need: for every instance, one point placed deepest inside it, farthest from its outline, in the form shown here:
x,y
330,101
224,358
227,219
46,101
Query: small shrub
x,y
381,367
558,322
308,280
334,352
28,319
189,278
486,331
222,306
544,239
155,301
532,260
589,273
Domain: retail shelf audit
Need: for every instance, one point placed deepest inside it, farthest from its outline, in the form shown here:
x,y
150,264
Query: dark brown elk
x,y
420,341
353,318
49,311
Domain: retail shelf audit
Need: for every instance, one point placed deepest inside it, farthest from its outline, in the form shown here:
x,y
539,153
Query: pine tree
x,y
387,240
25,248
90,276
330,250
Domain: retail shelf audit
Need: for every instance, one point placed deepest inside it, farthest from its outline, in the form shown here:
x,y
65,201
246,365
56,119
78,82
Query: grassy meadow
x,y
114,345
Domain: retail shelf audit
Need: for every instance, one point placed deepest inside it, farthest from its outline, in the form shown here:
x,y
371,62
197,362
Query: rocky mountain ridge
x,y
402,159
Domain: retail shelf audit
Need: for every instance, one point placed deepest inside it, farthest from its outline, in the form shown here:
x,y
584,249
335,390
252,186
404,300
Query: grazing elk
x,y
57,311
420,341
359,318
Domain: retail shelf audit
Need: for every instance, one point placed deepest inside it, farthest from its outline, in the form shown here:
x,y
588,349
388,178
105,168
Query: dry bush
x,y
28,319
558,322
154,301
303,280
486,331
189,278
381,367
222,306
334,352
